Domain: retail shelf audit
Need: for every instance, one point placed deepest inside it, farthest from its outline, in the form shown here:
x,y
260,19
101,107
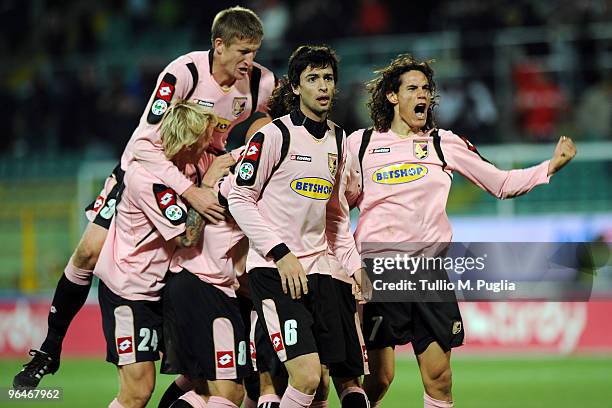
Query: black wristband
x,y
278,252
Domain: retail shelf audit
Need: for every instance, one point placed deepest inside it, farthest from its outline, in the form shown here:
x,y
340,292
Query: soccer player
x,y
203,329
285,200
150,223
406,165
225,80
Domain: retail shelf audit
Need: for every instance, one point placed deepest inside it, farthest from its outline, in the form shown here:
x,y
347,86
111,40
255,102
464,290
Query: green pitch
x,y
478,383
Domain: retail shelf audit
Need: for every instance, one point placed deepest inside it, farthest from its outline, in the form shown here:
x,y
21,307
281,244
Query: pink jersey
x,y
217,257
406,184
232,106
139,245
293,201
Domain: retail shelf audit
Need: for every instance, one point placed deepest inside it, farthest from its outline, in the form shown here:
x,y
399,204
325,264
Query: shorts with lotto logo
x,y
263,356
203,331
102,210
356,362
420,323
310,324
132,328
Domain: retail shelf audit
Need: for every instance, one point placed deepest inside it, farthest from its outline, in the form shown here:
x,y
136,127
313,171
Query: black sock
x,y
181,404
172,393
355,400
67,301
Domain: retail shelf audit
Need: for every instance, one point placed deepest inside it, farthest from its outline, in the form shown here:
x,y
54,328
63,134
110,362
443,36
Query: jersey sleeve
x,y
252,174
160,204
463,157
353,188
338,222
174,82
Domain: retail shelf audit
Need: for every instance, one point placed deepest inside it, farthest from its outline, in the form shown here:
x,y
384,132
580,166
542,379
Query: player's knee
x,y
86,255
323,389
137,396
234,394
306,381
439,382
385,377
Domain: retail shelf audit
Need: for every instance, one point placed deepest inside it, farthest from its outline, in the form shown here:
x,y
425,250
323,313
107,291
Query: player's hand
x,y
219,168
564,152
205,201
292,276
362,287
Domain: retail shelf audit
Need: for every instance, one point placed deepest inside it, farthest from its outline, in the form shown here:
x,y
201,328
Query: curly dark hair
x,y
283,100
387,80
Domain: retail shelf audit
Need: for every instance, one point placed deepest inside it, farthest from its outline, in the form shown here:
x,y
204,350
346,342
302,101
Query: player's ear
x,y
296,90
392,97
218,45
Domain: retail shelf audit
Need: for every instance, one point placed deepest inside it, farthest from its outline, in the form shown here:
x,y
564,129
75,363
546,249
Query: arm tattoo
x,y
193,228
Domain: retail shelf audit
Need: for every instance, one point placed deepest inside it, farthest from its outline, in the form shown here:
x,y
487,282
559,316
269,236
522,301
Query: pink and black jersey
x,y
285,196
190,77
406,181
139,245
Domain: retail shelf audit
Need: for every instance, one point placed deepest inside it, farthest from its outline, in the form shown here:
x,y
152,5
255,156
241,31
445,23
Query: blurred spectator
x,y
275,17
373,17
539,102
594,112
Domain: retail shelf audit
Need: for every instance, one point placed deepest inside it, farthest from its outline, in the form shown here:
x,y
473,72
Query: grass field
x,y
479,382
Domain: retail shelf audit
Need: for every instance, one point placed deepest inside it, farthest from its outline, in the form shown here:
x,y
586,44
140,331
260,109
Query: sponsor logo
x,y
381,150
109,209
165,91
332,162
53,309
159,107
469,144
421,149
223,125
125,345
173,212
299,157
252,152
456,327
246,171
98,203
277,341
239,105
206,104
399,173
165,198
364,351
225,359
312,187
253,350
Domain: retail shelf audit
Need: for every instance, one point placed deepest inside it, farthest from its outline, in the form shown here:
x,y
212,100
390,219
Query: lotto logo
x,y
165,91
253,350
252,152
365,353
124,345
165,198
277,341
98,203
225,359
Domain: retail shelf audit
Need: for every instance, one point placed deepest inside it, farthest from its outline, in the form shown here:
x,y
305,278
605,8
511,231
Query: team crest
x,y
332,161
239,105
421,149
456,327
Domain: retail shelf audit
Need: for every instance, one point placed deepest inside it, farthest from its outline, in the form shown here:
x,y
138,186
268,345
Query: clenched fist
x,y
564,152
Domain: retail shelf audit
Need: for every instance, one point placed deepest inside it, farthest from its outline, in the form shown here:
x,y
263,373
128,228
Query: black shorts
x,y
421,323
132,328
203,331
356,361
311,324
263,355
102,210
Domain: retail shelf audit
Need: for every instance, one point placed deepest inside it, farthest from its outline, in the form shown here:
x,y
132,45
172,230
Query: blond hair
x,y
183,124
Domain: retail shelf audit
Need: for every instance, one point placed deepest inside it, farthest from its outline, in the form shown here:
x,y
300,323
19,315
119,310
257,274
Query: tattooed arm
x,y
193,230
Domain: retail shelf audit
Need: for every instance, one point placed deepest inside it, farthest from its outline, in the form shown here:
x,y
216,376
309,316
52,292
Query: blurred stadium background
x,y
512,75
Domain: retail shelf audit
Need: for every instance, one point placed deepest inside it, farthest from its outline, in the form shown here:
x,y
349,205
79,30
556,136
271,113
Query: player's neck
x,y
402,129
317,128
222,76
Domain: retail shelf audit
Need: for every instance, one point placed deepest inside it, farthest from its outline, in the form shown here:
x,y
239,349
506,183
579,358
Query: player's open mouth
x,y
323,99
243,70
420,110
